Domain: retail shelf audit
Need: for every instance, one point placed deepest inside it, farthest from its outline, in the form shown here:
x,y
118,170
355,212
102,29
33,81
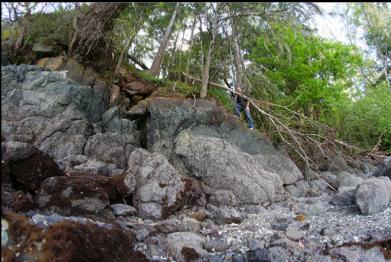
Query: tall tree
x,y
157,61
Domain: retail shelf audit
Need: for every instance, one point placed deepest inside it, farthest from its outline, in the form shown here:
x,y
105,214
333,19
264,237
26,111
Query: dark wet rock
x,y
160,190
346,196
373,195
113,123
258,255
238,258
363,252
78,195
68,241
28,166
384,169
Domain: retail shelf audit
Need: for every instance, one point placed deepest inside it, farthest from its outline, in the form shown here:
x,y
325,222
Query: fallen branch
x,y
134,59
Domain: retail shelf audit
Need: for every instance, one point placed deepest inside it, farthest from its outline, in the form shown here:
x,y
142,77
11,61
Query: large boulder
x,y
373,195
223,166
160,188
167,117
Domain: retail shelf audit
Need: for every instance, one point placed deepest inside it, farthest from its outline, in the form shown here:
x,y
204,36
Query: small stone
x,y
256,244
142,234
199,216
294,234
122,210
300,218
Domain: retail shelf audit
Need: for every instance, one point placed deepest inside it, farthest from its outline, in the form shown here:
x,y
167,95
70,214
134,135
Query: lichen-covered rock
x,y
373,195
160,189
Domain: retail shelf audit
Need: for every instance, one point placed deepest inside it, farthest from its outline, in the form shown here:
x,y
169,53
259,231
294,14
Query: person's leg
x,y
237,109
249,118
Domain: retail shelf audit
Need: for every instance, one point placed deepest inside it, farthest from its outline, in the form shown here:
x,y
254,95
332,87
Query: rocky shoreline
x,y
169,180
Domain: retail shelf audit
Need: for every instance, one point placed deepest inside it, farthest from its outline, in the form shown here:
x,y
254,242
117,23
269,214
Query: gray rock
x,y
94,167
350,180
142,234
298,189
256,244
346,196
160,189
182,245
215,258
219,245
112,122
225,214
278,254
384,169
223,166
122,210
330,178
294,234
190,225
373,195
223,198
111,148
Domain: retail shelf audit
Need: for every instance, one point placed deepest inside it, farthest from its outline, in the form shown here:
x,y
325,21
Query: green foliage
x,y
364,120
50,29
146,75
222,97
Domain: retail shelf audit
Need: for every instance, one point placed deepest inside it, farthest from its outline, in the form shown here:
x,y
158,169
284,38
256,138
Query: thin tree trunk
x,y
157,62
172,55
129,41
205,73
237,57
191,43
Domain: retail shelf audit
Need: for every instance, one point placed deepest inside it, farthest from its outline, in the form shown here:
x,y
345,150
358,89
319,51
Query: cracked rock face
x,y
160,189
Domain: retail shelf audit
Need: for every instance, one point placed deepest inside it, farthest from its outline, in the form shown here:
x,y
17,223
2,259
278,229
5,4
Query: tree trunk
x,y
172,55
205,73
157,62
237,57
128,43
191,43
